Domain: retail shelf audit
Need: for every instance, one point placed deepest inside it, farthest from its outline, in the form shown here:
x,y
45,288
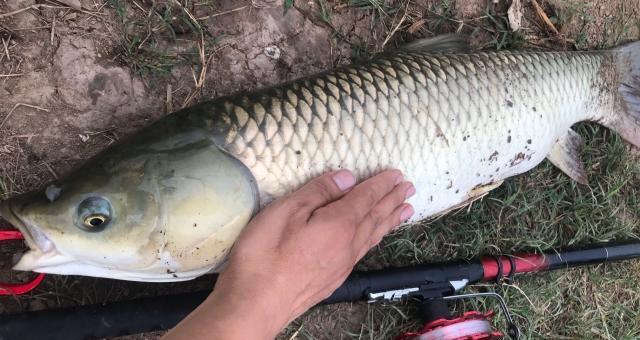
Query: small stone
x,y
272,52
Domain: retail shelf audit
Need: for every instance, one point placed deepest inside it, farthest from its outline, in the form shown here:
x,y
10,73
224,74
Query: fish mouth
x,y
36,240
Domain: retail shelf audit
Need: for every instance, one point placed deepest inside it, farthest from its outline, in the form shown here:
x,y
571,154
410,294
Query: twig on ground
x,y
17,106
416,26
36,6
395,29
50,169
188,13
540,12
295,334
9,75
53,29
20,10
222,13
169,98
139,7
200,79
30,28
72,7
29,137
6,48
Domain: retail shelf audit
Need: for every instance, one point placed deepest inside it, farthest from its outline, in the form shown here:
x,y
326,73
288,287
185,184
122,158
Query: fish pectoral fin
x,y
564,155
446,43
475,194
482,190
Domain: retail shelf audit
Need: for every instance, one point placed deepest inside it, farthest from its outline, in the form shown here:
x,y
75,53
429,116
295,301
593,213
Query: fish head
x,y
151,209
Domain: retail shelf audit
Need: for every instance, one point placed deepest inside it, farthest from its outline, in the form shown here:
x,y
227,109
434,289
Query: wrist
x,y
258,311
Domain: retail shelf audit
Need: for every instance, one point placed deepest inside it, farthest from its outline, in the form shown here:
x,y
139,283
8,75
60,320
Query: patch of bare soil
x,y
73,81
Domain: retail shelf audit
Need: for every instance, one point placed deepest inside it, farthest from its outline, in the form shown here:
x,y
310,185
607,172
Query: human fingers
x,y
399,215
264,229
380,213
357,203
323,190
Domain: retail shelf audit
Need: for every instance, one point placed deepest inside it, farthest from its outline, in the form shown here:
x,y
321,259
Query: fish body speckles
x,y
417,112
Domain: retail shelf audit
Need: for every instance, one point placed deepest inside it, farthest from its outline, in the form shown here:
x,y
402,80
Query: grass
x,y
568,12
138,48
616,30
4,192
380,7
324,11
493,24
443,17
497,24
147,38
288,4
613,29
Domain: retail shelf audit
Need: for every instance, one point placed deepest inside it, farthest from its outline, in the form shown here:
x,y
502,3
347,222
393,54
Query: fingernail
x,y
344,179
411,191
406,213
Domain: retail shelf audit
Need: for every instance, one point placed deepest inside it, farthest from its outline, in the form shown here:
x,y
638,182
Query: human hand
x,y
299,249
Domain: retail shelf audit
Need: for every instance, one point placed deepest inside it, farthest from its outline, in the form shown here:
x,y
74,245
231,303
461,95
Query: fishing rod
x,y
433,286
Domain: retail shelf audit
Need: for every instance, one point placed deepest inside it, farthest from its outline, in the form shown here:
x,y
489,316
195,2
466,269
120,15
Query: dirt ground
x,y
77,75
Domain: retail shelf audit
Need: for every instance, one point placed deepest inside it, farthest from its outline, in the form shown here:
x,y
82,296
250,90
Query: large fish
x,y
168,203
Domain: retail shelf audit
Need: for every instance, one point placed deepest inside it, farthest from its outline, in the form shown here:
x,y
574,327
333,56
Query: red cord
x,y
17,288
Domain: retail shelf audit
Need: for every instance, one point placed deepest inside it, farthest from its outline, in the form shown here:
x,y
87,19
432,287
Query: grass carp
x,y
166,204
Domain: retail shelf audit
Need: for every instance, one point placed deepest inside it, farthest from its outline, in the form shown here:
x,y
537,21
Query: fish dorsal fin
x,y
564,155
446,43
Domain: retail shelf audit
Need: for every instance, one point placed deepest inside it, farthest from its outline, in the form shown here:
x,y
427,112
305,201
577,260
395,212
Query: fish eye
x,y
94,221
94,214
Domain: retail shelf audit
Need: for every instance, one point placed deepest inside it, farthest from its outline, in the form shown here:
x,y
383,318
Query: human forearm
x,y
223,315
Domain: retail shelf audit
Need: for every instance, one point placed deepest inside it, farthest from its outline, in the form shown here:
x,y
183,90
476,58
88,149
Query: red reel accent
x,y
17,288
447,331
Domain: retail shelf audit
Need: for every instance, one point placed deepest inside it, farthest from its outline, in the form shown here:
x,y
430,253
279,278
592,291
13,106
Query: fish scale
x,y
427,114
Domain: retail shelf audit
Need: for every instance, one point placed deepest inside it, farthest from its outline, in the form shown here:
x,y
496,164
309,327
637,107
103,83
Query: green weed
x,y
324,11
617,29
568,11
288,4
443,18
141,36
147,61
502,36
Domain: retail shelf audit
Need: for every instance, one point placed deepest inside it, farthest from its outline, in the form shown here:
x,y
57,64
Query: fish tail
x,y
626,121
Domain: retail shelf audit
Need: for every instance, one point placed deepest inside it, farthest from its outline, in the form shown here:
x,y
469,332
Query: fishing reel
x,y
471,325
440,324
